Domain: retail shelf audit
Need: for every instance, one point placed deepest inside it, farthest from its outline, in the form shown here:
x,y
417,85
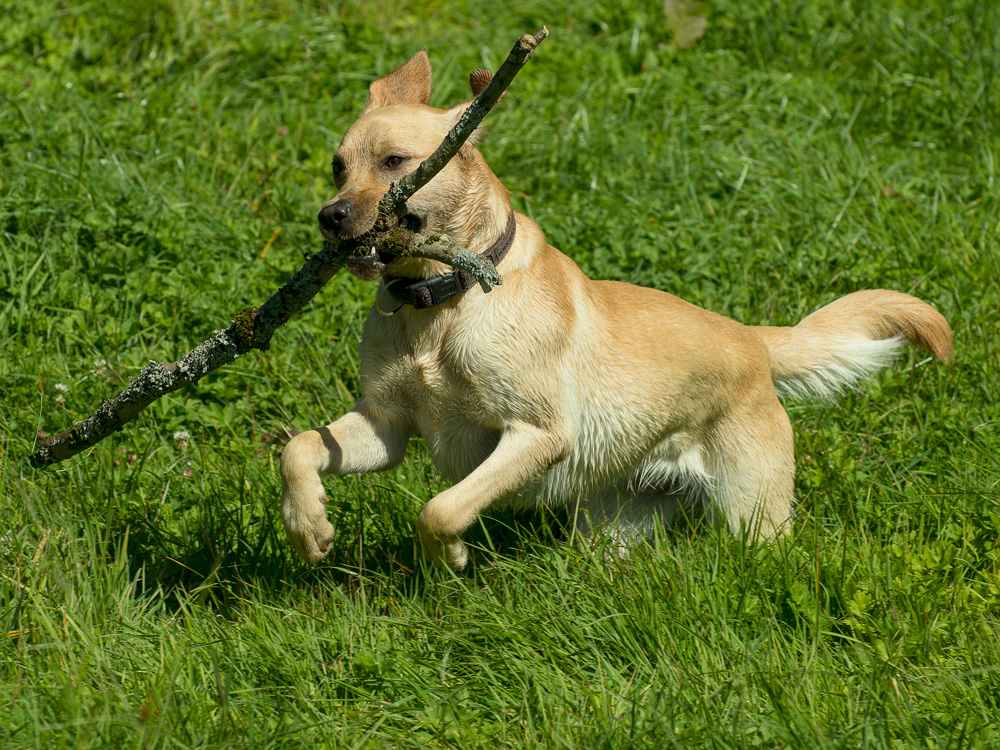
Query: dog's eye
x,y
338,167
394,161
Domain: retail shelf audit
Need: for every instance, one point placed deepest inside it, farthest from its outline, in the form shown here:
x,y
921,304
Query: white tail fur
x,y
851,339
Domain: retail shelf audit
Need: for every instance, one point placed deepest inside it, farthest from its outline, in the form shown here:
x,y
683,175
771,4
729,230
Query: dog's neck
x,y
475,222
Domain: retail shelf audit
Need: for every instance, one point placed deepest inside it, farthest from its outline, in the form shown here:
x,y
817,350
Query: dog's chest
x,y
442,385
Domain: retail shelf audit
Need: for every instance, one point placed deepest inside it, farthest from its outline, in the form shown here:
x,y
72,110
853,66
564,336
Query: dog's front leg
x,y
522,455
358,442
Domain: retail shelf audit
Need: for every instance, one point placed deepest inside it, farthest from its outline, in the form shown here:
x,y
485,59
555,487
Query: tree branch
x,y
401,190
254,327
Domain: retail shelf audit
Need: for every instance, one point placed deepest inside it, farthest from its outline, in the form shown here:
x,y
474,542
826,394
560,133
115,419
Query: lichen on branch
x,y
252,328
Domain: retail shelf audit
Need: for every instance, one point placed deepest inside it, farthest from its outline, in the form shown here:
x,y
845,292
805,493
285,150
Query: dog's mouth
x,y
370,266
367,262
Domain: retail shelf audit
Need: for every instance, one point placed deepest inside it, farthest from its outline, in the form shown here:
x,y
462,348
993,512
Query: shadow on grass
x,y
230,559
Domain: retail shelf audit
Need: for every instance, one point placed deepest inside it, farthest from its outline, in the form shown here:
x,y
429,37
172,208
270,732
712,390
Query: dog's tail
x,y
851,339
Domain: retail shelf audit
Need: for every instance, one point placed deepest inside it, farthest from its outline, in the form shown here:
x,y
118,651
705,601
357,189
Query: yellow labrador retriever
x,y
624,401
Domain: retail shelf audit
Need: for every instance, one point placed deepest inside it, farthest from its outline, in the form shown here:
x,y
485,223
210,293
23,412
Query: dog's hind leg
x,y
752,465
358,442
625,517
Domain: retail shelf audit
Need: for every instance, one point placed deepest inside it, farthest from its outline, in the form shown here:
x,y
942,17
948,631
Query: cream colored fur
x,y
553,388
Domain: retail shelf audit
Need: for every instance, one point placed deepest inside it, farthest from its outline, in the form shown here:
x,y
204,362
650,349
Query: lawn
x,y
161,166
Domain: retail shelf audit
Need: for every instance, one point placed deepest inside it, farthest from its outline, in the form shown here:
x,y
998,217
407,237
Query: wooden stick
x,y
254,327
401,190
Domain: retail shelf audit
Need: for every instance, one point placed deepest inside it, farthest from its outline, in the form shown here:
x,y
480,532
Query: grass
x,y
161,165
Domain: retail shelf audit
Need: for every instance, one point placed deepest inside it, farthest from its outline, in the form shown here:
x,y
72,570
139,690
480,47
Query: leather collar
x,y
424,293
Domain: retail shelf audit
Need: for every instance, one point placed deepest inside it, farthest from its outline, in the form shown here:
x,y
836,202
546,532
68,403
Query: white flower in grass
x,y
182,437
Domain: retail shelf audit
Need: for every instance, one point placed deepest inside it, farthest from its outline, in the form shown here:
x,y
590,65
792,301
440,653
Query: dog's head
x,y
395,133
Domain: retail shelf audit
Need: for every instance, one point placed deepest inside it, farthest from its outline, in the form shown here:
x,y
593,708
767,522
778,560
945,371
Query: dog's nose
x,y
333,215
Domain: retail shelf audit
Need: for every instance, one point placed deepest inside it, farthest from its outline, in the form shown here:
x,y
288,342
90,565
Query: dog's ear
x,y
480,79
410,83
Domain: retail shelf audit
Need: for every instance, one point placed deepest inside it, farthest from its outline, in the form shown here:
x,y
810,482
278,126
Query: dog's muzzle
x,y
333,216
367,263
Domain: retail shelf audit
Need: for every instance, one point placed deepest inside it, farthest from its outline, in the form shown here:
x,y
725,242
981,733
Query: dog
x,y
626,402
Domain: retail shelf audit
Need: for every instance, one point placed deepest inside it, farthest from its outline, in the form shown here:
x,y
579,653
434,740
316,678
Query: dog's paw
x,y
450,553
307,526
442,550
456,554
